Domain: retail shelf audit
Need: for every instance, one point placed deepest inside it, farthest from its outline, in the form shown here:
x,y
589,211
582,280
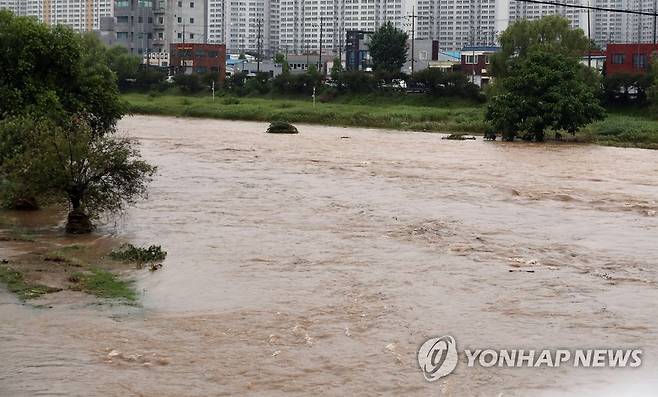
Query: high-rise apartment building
x,y
81,15
303,26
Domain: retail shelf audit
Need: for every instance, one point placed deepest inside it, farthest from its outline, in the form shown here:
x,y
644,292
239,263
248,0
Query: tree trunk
x,y
78,222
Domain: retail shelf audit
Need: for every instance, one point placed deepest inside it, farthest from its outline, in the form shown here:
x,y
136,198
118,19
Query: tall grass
x,y
369,111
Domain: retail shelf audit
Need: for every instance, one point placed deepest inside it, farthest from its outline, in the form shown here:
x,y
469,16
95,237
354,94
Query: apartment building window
x,y
160,35
150,19
201,69
160,20
122,35
640,61
140,19
180,35
192,5
213,54
191,35
122,19
122,3
618,59
200,53
471,59
180,3
191,20
180,20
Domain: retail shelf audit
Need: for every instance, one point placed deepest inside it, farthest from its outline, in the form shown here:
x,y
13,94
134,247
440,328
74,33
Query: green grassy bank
x,y
369,111
418,113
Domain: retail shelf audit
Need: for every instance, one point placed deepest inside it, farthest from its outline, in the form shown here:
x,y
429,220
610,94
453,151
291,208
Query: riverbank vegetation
x,y
378,113
45,266
16,284
60,152
622,127
103,284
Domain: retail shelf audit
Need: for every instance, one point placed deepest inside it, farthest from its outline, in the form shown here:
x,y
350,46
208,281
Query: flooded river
x,y
318,263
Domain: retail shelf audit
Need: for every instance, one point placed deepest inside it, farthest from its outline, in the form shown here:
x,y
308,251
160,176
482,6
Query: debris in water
x,y
459,137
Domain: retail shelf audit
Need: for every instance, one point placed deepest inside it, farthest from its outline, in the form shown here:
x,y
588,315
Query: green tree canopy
x,y
388,48
336,69
552,34
543,90
281,59
54,70
124,64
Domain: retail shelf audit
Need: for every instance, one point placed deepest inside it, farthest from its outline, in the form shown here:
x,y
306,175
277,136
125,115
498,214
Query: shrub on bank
x,y
281,127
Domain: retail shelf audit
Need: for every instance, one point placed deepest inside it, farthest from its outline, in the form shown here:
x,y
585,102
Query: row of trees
x,y
58,115
434,82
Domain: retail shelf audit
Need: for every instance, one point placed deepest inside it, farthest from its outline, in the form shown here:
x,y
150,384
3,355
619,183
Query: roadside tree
x,y
388,48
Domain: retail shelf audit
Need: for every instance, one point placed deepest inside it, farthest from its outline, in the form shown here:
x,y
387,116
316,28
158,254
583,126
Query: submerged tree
x,y
388,48
543,90
70,162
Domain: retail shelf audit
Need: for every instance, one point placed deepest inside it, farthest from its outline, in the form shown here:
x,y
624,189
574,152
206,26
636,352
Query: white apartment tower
x,y
236,23
81,15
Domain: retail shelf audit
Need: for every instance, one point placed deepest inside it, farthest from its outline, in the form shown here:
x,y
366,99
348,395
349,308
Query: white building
x,y
611,27
81,15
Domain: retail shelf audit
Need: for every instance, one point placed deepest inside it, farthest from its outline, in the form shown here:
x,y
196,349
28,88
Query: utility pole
x,y
258,48
589,37
413,17
340,45
320,51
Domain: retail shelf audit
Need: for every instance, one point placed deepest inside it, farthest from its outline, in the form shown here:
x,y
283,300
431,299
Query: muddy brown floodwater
x,y
318,263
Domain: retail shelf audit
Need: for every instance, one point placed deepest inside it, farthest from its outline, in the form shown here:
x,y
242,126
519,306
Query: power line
x,y
651,14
